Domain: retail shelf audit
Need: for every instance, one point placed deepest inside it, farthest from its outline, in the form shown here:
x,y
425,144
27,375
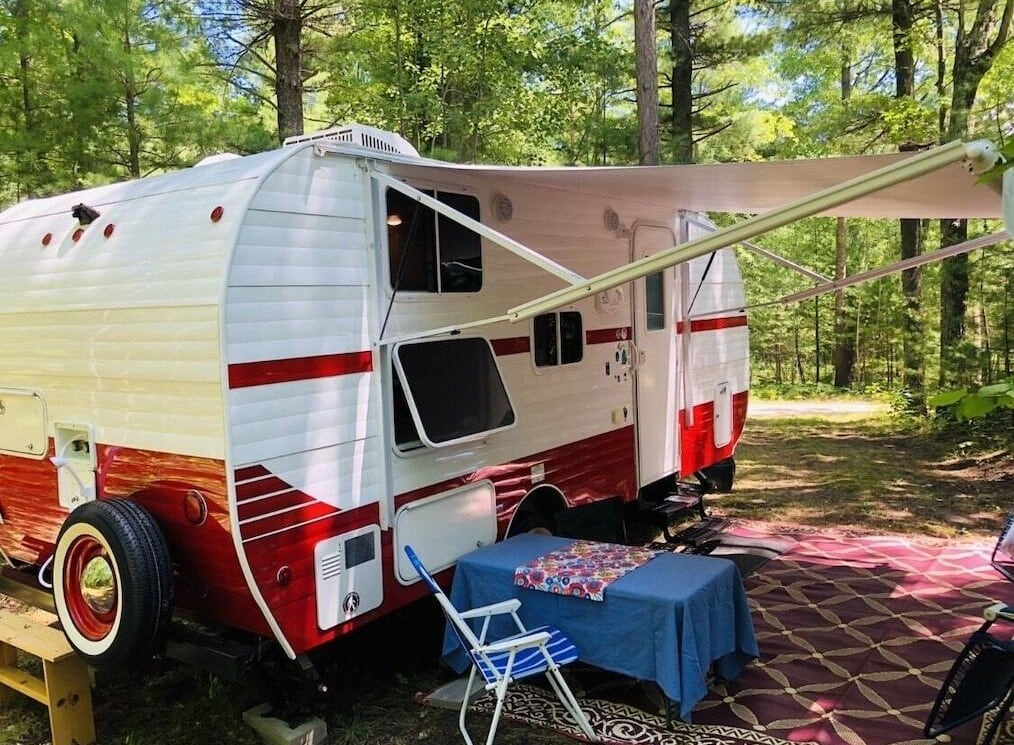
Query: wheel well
x,y
536,510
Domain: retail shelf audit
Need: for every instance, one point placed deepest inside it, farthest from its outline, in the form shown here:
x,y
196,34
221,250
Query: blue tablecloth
x,y
666,621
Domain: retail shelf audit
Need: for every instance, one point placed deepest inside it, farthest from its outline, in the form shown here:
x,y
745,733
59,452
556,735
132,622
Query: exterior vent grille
x,y
359,134
331,566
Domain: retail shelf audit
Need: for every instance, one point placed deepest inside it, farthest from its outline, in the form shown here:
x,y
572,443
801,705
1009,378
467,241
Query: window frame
x,y
558,314
433,228
424,438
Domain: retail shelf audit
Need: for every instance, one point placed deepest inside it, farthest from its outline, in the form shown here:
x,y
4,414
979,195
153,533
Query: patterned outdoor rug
x,y
856,635
615,722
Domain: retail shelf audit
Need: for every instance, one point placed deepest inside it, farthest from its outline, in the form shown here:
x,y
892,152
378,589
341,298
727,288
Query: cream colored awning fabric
x,y
751,188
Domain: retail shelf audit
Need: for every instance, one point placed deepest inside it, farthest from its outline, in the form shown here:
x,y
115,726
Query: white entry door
x,y
655,360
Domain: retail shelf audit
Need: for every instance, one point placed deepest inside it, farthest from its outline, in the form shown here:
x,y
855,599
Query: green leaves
x,y
977,404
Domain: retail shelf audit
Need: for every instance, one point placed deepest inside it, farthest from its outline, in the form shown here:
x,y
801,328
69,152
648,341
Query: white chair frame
x,y
499,677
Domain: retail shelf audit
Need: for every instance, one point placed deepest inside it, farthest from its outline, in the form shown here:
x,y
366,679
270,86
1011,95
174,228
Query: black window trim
x,y
559,364
410,399
432,191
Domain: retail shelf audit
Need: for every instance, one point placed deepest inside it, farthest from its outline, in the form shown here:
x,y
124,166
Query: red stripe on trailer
x,y
246,490
713,324
285,500
512,345
607,336
266,372
247,473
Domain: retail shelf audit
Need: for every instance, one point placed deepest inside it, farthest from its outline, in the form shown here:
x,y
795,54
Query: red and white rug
x,y
856,635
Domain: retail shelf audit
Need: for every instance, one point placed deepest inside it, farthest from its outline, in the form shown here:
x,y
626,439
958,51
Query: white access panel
x,y
347,569
23,423
445,527
723,415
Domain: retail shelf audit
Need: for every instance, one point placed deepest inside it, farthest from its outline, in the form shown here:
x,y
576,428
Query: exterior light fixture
x,y
84,214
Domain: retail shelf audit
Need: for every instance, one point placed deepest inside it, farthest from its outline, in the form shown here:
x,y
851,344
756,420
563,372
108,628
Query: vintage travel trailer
x,y
236,392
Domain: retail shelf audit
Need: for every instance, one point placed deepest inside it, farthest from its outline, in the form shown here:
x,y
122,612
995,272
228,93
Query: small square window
x,y
558,339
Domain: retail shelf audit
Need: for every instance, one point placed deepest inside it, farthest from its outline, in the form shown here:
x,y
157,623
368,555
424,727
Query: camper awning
x,y
750,188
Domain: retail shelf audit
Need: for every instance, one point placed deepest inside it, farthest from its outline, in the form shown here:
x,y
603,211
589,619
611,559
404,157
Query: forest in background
x,y
112,89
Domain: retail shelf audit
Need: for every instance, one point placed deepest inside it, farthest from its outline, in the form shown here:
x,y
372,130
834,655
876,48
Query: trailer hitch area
x,y
307,667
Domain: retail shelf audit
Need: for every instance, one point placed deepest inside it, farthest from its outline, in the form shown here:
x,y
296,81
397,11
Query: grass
x,y
832,472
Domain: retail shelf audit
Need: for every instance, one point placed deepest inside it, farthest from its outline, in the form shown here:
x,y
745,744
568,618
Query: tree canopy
x,y
101,91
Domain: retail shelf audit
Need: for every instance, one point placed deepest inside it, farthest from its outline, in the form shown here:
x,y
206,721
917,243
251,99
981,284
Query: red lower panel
x,y
209,581
584,471
697,441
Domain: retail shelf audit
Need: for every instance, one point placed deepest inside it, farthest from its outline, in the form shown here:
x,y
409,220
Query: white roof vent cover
x,y
359,134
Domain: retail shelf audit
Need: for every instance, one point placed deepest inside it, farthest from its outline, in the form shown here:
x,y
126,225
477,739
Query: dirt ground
x,y
851,470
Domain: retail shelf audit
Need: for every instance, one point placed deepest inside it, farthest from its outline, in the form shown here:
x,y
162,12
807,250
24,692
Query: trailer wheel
x,y
112,582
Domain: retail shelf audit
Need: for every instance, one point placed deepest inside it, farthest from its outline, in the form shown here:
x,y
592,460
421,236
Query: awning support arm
x,y
770,255
899,266
813,204
516,248
857,279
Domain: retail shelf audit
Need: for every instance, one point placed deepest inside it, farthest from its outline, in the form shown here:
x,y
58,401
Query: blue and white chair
x,y
529,652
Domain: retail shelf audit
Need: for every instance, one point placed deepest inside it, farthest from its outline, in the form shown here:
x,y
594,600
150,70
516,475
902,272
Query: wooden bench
x,y
64,688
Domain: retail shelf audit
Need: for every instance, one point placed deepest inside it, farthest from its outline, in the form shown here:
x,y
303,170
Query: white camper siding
x,y
299,289
554,406
719,297
122,331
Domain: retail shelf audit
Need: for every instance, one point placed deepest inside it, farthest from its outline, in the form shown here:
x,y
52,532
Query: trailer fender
x,y
536,511
112,582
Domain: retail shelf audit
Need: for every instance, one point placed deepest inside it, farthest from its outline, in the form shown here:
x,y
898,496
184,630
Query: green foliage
x,y
966,405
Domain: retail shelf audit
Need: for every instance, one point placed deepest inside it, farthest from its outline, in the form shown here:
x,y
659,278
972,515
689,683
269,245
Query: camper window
x,y
443,255
558,339
654,301
453,390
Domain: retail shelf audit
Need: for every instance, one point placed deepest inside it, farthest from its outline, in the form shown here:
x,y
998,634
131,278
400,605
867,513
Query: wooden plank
x,y
24,682
70,702
34,638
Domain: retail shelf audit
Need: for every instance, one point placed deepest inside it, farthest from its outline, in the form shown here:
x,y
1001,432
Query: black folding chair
x,y
1003,554
981,679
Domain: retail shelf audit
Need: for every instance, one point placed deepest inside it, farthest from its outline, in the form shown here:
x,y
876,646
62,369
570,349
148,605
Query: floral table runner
x,y
583,569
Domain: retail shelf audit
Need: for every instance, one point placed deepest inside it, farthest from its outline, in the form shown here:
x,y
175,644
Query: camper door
x,y
655,359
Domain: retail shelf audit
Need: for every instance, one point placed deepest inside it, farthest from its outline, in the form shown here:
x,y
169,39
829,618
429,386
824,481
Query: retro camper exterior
x,y
237,391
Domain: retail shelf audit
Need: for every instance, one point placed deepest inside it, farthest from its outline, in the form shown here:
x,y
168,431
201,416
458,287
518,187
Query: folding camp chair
x,y
527,653
1003,553
981,679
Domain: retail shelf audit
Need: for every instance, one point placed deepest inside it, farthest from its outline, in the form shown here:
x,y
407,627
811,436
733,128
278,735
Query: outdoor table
x,y
667,620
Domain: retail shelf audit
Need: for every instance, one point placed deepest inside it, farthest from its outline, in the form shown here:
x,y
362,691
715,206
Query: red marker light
x,y
109,230
216,214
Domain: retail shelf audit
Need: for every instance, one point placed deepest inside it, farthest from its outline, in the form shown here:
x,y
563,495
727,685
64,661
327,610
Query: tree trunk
x,y
913,376
974,53
130,104
646,69
681,87
287,32
844,322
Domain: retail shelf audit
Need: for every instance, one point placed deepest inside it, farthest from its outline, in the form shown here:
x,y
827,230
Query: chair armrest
x,y
505,606
517,642
999,610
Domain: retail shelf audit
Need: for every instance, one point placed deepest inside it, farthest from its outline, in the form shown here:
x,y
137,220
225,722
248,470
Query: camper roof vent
x,y
359,134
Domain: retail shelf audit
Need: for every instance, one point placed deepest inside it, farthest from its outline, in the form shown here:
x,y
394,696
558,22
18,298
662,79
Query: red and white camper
x,y
237,391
